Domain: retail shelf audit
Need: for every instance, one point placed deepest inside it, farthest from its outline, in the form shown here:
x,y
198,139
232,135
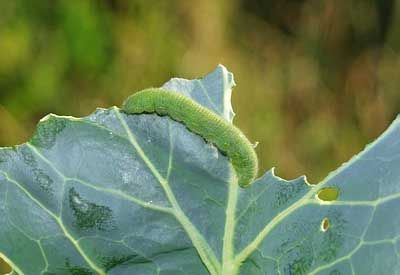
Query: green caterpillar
x,y
200,120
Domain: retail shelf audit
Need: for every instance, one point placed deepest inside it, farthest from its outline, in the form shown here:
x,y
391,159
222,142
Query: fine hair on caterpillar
x,y
202,121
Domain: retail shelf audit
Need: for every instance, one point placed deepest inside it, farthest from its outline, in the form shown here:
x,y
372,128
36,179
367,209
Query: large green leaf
x,y
113,193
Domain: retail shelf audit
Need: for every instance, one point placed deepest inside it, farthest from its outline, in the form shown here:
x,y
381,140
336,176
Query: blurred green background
x,y
316,80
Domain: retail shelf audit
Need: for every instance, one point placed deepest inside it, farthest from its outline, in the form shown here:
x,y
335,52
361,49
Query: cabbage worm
x,y
200,120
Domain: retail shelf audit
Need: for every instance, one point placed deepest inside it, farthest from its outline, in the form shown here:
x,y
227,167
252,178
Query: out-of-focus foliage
x,y
323,73
4,267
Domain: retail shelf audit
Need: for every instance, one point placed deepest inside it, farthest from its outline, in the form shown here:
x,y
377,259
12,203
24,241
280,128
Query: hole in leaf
x,y
5,268
325,225
328,194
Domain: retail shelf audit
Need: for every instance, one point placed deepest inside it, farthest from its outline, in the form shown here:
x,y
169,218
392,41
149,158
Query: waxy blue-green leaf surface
x,y
113,193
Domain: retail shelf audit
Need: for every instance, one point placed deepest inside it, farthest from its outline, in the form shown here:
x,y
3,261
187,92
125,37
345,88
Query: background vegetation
x,y
317,80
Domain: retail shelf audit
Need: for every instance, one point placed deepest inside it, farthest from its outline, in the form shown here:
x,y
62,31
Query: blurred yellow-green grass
x,y
316,80
4,267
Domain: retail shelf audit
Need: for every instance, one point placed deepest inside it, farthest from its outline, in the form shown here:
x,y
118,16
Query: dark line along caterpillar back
x,y
200,120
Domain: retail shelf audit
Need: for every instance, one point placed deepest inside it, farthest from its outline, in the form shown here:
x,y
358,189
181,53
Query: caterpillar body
x,y
202,121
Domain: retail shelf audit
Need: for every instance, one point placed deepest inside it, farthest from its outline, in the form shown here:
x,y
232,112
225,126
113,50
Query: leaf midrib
x,y
204,250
